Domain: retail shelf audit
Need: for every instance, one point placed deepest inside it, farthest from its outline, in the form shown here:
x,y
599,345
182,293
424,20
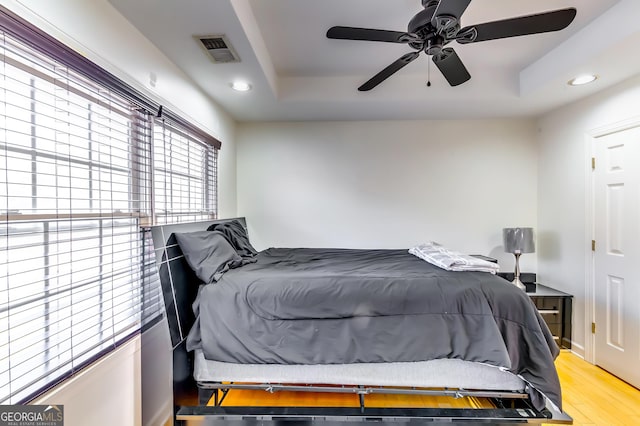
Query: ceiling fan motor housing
x,y
429,3
422,20
432,37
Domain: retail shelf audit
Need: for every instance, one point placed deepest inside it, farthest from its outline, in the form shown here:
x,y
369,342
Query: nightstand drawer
x,y
556,330
555,309
551,316
547,303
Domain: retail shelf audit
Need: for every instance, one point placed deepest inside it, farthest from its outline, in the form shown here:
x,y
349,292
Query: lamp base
x,y
518,283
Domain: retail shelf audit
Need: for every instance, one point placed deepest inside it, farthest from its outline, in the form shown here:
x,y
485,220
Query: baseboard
x,y
164,416
577,350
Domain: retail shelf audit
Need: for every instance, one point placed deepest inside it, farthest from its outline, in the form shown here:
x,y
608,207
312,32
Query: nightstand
x,y
555,308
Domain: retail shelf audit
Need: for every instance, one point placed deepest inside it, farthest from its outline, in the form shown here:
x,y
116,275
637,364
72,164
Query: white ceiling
x,y
299,74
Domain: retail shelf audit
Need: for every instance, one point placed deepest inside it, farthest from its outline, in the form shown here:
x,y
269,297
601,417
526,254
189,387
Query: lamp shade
x,y
518,240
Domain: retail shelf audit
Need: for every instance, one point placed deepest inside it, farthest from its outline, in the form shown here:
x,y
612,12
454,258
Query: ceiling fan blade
x,y
450,65
388,71
514,27
368,34
451,8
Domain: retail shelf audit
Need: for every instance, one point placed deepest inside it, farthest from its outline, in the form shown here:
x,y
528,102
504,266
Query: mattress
x,y
335,306
439,373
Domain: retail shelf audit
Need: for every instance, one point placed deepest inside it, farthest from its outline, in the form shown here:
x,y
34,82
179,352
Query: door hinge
x,y
593,245
593,328
593,163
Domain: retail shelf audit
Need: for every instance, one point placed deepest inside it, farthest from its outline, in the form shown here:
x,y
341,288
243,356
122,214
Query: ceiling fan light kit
x,y
437,25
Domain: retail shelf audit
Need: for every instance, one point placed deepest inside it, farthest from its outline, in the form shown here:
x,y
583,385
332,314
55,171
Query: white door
x,y
617,255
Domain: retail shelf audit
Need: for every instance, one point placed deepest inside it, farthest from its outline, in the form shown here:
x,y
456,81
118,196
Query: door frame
x,y
590,285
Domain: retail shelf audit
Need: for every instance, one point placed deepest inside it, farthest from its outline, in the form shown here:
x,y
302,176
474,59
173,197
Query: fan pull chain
x,y
428,73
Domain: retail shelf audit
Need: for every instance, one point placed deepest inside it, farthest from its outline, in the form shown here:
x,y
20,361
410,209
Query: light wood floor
x,y
594,397
322,399
590,395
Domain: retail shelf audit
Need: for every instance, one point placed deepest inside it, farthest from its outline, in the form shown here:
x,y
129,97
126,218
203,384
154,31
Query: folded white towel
x,y
451,260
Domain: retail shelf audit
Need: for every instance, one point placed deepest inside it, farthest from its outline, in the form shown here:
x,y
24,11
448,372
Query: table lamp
x,y
518,241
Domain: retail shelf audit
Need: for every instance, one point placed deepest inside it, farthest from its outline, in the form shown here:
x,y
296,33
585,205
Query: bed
x,y
361,321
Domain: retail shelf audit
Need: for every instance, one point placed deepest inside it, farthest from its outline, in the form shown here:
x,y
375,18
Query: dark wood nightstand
x,y
555,308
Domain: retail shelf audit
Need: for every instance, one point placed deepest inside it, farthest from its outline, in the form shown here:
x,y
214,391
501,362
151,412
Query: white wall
x,y
107,393
156,375
388,184
562,189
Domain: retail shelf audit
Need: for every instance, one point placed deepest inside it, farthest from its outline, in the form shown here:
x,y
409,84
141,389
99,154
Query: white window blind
x,y
85,168
73,185
184,175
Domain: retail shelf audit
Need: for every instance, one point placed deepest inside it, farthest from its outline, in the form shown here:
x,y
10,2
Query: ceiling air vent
x,y
219,48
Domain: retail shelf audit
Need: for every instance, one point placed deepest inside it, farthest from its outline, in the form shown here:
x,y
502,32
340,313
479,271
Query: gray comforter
x,y
318,306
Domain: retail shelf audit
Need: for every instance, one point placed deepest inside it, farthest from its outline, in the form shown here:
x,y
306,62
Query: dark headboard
x,y
179,283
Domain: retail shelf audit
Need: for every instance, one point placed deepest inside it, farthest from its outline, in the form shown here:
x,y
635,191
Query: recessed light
x,y
241,86
582,79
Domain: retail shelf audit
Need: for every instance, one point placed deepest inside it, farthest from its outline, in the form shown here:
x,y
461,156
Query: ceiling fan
x,y
438,24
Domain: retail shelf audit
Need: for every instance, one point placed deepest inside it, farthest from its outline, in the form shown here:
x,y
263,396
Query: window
x,y
81,162
184,176
70,251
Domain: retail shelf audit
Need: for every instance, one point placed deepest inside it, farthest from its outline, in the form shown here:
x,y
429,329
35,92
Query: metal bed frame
x,y
177,281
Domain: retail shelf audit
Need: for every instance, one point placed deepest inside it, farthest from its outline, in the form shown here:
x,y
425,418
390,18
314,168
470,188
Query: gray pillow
x,y
236,234
208,253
